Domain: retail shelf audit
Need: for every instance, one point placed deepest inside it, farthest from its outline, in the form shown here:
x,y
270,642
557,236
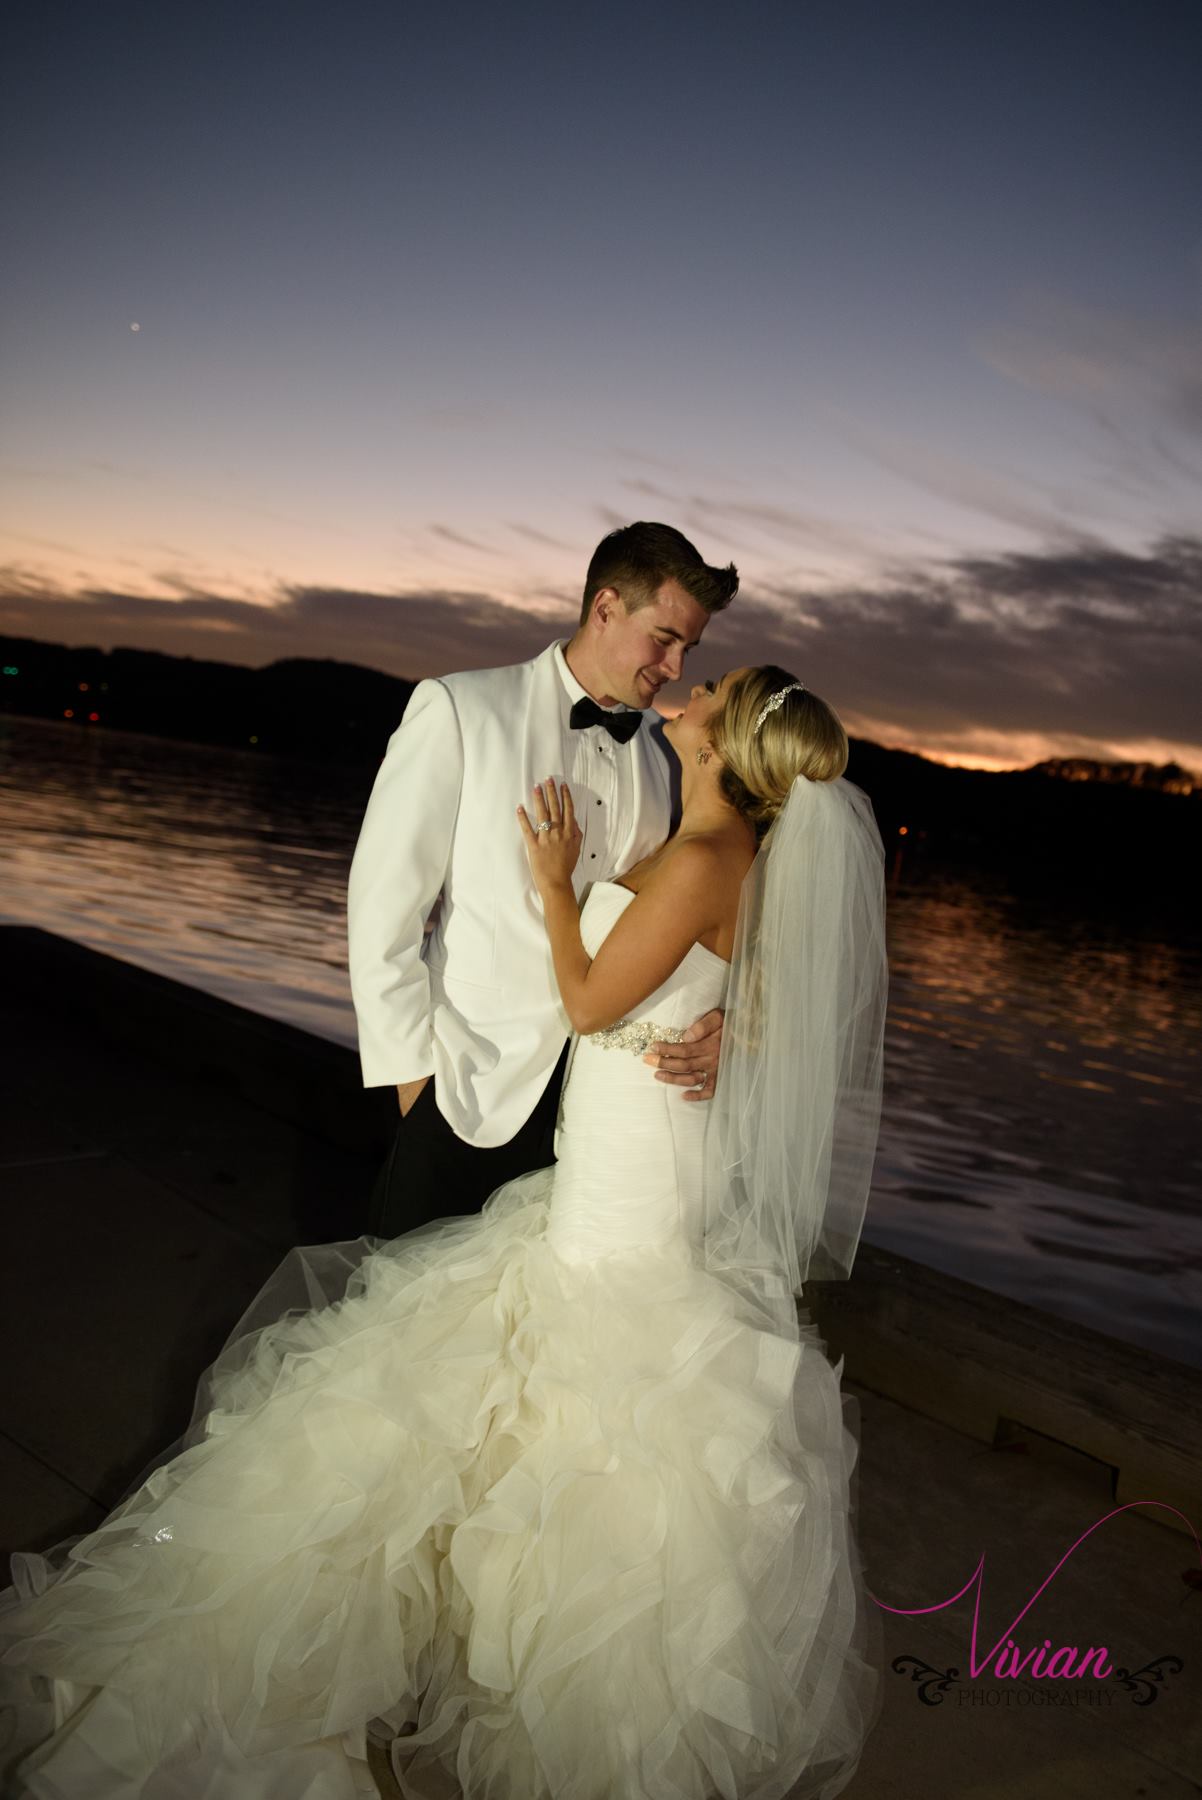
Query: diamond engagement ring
x,y
543,825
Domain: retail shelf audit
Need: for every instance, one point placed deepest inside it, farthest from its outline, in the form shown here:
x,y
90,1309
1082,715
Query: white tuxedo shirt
x,y
474,1001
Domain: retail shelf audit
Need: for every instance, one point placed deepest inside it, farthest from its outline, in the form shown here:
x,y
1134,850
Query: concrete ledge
x,y
995,1368
285,1071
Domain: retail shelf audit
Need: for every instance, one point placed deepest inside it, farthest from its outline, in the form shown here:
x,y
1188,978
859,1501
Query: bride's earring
x,y
703,756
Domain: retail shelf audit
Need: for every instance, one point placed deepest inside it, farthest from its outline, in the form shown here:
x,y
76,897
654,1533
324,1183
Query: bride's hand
x,y
553,841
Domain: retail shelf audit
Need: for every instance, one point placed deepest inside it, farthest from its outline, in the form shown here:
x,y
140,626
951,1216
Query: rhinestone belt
x,y
638,1035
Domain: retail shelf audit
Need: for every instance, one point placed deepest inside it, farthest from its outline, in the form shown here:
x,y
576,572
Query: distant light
x,y
83,687
903,830
11,669
68,714
93,717
135,326
254,740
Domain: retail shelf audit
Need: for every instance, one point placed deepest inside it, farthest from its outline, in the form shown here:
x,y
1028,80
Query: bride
x,y
550,1502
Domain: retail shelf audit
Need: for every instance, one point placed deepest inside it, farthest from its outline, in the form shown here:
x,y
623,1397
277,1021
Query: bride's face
x,y
689,730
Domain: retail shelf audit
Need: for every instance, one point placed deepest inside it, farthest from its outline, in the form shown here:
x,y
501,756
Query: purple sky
x,y
899,308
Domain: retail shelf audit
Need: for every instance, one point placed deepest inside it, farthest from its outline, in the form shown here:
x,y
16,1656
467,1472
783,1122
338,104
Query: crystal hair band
x,y
777,699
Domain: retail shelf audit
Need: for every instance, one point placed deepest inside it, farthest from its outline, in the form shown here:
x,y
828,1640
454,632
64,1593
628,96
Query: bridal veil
x,y
797,1109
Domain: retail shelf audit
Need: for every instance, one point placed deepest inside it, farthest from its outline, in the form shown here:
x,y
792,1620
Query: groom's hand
x,y
693,1063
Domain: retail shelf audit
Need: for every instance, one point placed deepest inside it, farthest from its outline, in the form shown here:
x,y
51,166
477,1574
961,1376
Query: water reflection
x,y
1042,1105
1041,1122
206,864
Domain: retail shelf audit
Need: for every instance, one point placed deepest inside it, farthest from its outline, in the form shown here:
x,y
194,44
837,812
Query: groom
x,y
463,1015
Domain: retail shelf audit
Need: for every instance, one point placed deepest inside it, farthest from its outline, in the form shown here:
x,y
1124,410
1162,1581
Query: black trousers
x,y
431,1174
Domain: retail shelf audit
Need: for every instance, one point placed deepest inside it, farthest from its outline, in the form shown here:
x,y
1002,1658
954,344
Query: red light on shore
x,y
903,831
92,717
83,687
67,713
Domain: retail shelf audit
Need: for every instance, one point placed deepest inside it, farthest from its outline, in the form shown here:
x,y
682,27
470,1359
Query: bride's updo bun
x,y
800,736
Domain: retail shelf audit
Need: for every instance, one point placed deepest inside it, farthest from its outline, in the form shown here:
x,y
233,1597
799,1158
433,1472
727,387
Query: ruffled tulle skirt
x,y
516,1528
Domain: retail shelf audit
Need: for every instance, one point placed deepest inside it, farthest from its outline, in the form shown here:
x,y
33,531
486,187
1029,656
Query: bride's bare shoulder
x,y
719,859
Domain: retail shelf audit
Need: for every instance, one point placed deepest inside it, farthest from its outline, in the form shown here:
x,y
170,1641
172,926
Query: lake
x,y
1041,1129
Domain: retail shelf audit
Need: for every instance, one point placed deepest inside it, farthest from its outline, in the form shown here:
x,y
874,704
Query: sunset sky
x,y
898,307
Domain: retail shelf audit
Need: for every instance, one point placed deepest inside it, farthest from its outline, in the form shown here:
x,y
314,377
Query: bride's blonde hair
x,y
801,735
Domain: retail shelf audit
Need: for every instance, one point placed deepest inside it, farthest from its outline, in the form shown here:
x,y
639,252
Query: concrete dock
x,y
162,1150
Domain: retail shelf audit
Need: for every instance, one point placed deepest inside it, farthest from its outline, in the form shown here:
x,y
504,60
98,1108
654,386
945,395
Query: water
x,y
1041,1132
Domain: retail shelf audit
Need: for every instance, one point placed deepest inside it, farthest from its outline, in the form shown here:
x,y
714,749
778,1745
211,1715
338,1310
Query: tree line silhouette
x,y
1129,825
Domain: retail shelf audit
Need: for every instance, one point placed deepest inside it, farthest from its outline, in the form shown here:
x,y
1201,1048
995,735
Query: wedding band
x,y
543,825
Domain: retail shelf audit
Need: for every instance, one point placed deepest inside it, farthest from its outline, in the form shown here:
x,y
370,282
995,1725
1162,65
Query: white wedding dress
x,y
537,1503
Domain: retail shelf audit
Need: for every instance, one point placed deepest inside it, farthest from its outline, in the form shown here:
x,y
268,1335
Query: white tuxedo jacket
x,y
474,1001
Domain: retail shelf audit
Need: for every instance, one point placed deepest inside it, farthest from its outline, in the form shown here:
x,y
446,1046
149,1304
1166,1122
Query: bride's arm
x,y
675,906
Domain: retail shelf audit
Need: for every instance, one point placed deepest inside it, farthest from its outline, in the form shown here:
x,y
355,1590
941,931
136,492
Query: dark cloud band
x,y
1094,643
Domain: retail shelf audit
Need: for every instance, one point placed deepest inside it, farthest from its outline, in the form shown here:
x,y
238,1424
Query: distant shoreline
x,y
1124,832
123,684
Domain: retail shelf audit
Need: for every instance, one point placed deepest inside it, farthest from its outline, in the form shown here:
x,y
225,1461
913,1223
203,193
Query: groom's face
x,y
642,650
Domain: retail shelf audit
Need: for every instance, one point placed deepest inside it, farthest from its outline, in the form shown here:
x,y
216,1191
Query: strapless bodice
x,y
630,1148
697,983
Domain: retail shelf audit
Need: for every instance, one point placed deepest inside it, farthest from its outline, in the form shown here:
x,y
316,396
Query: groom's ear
x,y
605,601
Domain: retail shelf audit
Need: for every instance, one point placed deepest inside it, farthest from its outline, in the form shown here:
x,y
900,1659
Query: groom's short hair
x,y
637,559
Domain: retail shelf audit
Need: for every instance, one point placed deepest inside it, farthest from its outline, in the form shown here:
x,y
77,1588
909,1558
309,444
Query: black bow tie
x,y
621,726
